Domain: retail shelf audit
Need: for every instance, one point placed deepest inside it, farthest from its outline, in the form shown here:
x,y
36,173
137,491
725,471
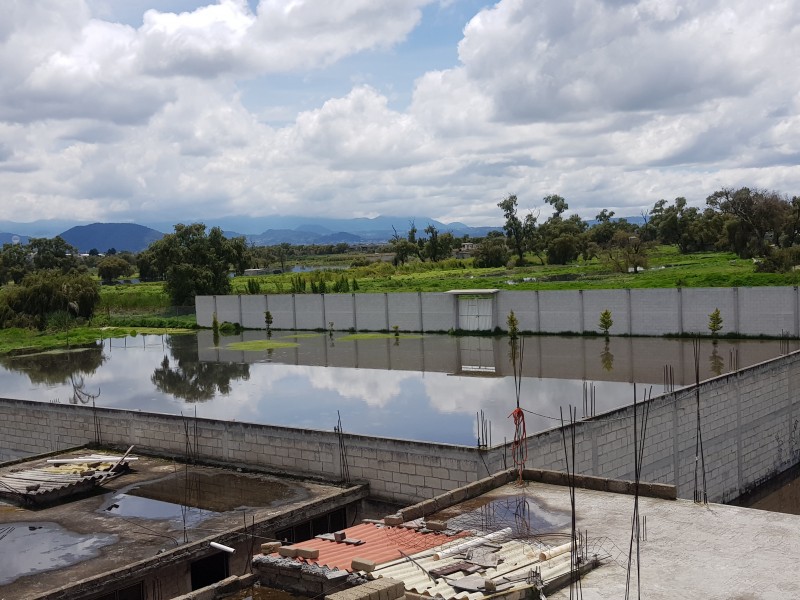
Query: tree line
x,y
752,223
52,281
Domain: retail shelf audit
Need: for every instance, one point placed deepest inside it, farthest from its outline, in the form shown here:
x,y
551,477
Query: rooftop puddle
x,y
196,496
525,516
30,548
218,492
127,505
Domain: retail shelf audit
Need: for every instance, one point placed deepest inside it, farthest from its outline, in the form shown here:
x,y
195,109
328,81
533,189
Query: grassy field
x,y
667,269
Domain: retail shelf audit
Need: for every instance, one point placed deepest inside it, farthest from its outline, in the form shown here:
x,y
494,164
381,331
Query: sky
x,y
142,110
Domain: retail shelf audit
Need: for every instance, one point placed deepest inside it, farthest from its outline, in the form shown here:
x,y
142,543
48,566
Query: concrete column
x,y
796,311
582,312
538,313
355,313
630,311
386,310
324,313
239,298
680,310
419,302
736,327
294,312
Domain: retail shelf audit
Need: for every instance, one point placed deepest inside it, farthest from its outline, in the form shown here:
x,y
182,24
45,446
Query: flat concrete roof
x,y
136,517
691,550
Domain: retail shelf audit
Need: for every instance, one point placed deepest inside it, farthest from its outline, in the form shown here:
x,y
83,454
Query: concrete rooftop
x,y
134,518
692,550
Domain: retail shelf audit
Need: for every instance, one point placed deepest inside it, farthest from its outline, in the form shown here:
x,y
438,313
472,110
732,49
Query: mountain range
x,y
260,231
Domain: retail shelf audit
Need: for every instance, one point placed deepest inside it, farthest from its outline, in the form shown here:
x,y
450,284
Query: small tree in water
x,y
268,323
715,323
605,322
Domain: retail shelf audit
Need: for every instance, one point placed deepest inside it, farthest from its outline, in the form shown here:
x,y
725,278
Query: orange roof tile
x,y
381,545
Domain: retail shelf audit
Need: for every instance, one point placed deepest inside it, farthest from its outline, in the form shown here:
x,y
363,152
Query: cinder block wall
x,y
752,311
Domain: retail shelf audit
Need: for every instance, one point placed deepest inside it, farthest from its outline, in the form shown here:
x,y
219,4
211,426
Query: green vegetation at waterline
x,y
25,341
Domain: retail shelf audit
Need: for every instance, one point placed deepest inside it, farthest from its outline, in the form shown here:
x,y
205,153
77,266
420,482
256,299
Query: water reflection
x,y
57,366
29,548
184,376
427,388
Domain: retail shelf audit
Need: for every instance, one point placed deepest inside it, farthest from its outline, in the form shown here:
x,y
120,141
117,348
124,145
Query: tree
x,y
42,293
15,262
437,246
514,228
405,248
113,267
756,218
53,253
195,263
626,252
715,323
606,322
491,252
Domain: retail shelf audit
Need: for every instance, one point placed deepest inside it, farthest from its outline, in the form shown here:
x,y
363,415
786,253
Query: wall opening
x,y
209,570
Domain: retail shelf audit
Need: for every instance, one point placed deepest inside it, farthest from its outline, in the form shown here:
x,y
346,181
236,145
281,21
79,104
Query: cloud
x,y
609,104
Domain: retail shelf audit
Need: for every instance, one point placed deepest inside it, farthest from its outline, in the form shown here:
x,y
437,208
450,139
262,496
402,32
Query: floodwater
x,y
30,548
431,388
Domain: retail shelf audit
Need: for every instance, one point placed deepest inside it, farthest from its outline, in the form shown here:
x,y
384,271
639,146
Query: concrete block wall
x,y
439,312
594,302
751,311
405,311
396,470
750,424
371,312
654,312
340,310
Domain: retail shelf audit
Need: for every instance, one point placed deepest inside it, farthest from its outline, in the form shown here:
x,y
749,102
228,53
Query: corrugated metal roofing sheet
x,y
518,558
381,544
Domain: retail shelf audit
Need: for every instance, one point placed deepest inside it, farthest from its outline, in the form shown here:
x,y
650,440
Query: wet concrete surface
x,y
523,514
27,548
141,531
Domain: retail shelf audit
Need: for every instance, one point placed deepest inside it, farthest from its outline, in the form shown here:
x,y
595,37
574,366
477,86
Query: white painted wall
x,y
751,311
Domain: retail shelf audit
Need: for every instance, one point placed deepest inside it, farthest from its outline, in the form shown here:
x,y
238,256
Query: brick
x,y
363,564
270,547
307,553
287,551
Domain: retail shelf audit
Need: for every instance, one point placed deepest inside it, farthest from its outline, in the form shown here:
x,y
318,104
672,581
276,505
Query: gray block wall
x,y
768,311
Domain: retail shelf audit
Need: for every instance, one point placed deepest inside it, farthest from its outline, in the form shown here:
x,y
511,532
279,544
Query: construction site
x,y
116,504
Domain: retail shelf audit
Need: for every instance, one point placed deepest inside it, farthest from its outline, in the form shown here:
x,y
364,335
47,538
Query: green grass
x,y
260,345
667,268
134,297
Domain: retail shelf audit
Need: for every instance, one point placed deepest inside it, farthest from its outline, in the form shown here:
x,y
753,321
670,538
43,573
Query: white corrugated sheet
x,y
518,558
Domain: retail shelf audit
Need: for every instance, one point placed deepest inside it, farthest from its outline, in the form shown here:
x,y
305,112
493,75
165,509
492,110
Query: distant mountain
x,y
377,229
104,236
266,231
